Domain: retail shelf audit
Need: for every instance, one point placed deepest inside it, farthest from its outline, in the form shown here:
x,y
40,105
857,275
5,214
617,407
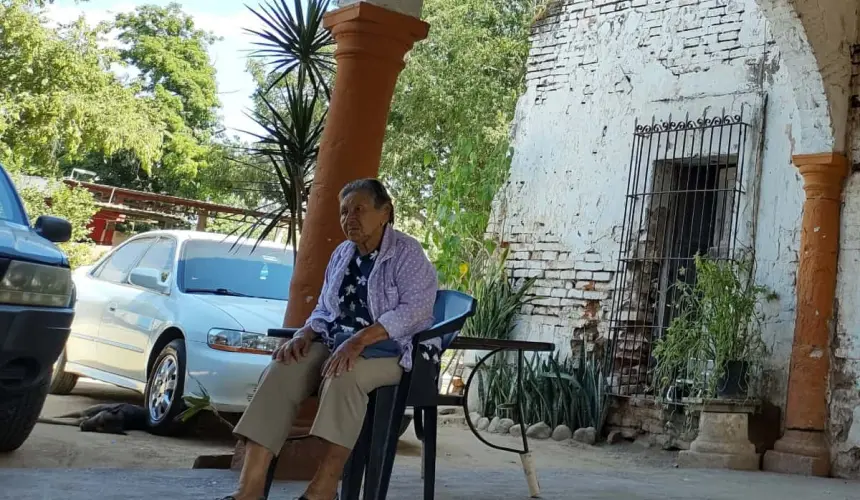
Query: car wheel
x,y
164,389
62,383
18,414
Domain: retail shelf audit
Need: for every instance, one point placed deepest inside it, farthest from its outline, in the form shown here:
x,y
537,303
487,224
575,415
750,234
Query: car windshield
x,y
220,268
9,208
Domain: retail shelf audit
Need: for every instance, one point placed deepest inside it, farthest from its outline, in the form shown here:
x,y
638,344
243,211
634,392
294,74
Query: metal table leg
x,y
525,455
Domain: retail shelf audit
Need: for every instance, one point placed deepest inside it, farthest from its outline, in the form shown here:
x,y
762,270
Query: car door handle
x,y
112,308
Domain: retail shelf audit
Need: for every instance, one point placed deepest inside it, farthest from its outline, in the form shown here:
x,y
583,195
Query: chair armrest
x,y
440,330
284,333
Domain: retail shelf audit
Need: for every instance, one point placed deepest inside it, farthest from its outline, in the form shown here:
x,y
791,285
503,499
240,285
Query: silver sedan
x,y
169,312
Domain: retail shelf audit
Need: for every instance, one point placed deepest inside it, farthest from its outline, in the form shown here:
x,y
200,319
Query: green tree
x,y
59,101
446,151
171,54
175,75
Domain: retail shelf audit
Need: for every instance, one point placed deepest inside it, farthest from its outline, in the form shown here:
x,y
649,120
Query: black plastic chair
x,y
372,458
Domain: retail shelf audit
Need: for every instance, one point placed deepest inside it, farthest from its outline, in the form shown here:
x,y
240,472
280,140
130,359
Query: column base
x,y
723,443
803,453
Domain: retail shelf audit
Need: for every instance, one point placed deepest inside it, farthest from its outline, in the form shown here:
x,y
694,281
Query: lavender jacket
x,y
401,290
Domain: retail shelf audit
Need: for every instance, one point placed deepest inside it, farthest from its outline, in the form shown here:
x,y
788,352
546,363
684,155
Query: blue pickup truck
x,y
36,312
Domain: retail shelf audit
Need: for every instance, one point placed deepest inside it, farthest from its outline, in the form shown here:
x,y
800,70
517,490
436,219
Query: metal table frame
x,y
495,346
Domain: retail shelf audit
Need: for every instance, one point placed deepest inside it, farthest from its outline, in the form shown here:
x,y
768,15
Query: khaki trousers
x,y
343,400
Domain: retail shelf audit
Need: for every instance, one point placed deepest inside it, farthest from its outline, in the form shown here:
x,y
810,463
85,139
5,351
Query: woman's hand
x,y
343,358
296,348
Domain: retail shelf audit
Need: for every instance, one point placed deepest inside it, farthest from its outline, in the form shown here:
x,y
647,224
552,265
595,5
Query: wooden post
x,y
202,219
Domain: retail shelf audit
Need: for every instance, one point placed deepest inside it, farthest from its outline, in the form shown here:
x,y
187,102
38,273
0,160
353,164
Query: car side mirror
x,y
146,277
53,229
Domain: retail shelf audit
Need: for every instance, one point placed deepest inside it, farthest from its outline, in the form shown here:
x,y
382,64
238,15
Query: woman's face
x,y
360,219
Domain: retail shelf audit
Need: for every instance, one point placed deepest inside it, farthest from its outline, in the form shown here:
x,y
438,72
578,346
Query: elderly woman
x,y
378,293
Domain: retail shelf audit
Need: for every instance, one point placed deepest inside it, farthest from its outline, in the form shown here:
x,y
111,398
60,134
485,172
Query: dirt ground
x,y
62,462
53,446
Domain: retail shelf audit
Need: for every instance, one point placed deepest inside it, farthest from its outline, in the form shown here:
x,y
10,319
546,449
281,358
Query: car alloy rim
x,y
56,364
163,388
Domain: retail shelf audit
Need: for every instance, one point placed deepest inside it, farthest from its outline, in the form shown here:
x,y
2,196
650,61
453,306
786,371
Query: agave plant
x,y
292,105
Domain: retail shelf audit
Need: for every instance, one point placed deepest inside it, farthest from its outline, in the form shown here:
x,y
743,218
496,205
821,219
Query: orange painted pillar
x,y
371,44
804,448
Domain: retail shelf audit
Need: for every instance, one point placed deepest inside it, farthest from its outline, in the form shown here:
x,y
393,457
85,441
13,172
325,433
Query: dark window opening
x,y
683,199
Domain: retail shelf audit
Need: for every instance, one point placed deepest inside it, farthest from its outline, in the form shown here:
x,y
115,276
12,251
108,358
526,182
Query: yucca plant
x,y
292,105
499,300
295,41
587,389
569,392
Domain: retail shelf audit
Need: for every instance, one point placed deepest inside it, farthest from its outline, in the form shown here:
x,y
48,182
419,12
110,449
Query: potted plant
x,y
714,341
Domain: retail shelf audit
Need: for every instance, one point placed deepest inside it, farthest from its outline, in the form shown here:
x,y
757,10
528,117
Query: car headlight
x,y
25,283
236,341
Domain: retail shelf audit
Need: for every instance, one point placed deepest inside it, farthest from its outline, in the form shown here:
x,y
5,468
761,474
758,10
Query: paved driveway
x,y
104,484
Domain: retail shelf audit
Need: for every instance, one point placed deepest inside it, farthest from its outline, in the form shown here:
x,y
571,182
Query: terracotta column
x,y
372,42
804,448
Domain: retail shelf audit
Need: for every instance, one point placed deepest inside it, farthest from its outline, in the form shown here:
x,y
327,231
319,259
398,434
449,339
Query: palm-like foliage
x,y
295,41
292,105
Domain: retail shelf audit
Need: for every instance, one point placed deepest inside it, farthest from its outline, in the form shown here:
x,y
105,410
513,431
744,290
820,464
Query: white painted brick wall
x,y
595,68
685,36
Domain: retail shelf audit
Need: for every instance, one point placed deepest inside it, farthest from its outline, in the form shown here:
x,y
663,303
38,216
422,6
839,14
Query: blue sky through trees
x,y
226,18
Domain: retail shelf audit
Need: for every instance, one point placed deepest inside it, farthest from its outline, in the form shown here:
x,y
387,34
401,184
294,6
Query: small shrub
x,y
75,204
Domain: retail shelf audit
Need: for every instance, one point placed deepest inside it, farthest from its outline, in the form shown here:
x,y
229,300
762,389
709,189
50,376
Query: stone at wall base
x,y
804,453
223,462
697,460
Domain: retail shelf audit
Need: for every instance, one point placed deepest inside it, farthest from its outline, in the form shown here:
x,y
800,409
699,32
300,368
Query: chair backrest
x,y
450,312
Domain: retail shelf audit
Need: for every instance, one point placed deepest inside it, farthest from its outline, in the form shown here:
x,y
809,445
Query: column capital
x,y
409,7
823,174
365,29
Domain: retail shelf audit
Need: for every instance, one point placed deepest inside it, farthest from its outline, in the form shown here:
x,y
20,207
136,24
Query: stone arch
x,y
815,39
